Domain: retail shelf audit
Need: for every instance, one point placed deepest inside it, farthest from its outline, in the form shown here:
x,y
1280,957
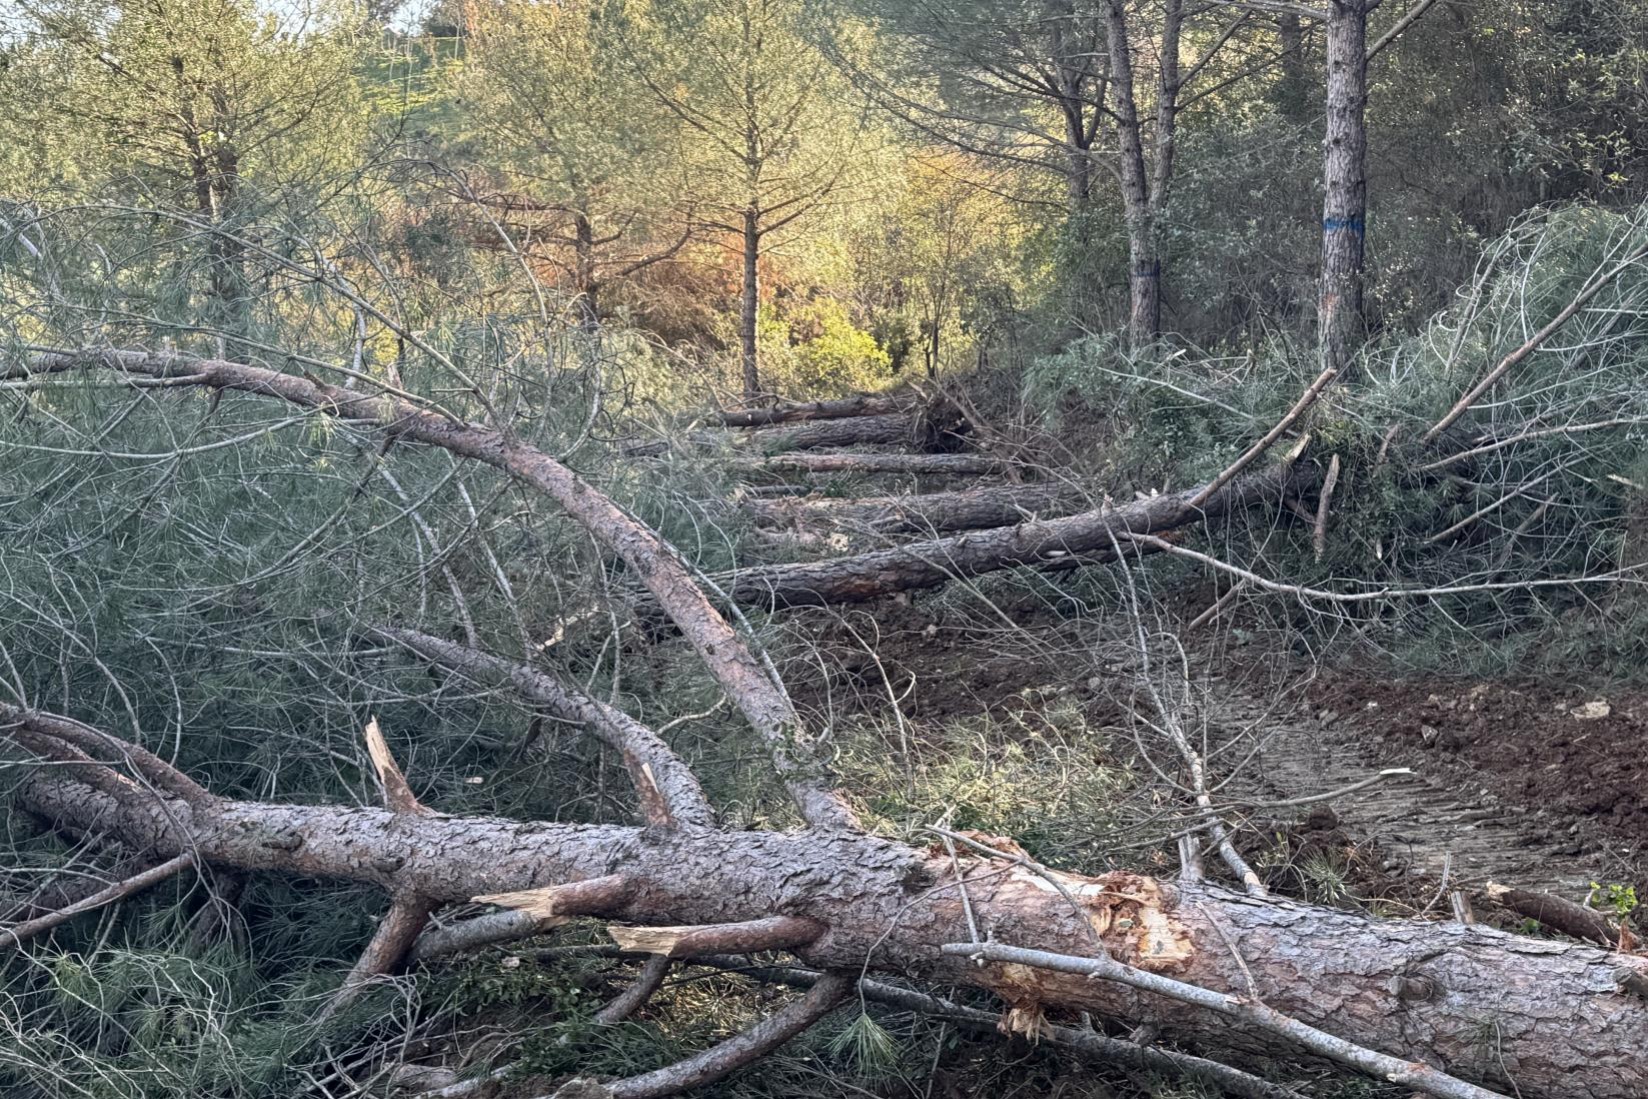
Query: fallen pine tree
x,y
795,411
957,465
1091,536
1250,977
968,509
1254,978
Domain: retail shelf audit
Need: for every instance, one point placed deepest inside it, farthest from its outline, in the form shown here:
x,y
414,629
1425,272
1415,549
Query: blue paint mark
x,y
1355,225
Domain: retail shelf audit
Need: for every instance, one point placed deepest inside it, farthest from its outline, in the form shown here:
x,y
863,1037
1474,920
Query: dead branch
x,y
1164,546
397,795
1304,402
628,1002
18,934
1319,535
527,912
666,788
747,937
390,944
95,743
1089,1045
1524,436
1218,606
1253,1012
1556,913
746,1048
1509,362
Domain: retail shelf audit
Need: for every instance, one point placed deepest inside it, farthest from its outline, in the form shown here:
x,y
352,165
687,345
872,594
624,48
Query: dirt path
x,y
1446,815
1513,783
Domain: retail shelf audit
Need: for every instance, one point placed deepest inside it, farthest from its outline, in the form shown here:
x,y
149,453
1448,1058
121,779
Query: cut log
x,y
935,512
939,426
795,412
1557,913
1549,1016
892,429
1088,537
957,465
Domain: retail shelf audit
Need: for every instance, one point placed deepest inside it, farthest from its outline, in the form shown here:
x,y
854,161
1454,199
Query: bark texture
x,y
1087,537
971,509
1344,181
795,412
1499,1008
873,462
749,305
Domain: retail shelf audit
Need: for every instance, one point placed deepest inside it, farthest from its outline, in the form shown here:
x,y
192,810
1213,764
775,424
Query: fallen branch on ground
x,y
970,509
874,462
1564,1030
1085,538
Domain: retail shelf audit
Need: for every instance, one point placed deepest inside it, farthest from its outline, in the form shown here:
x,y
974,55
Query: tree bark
x,y
972,509
586,279
1144,318
890,429
1471,1001
1292,89
1344,182
957,465
795,412
1087,537
749,305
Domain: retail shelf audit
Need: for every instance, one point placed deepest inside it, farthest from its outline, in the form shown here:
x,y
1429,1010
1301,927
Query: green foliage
x,y
1616,899
1038,775
815,350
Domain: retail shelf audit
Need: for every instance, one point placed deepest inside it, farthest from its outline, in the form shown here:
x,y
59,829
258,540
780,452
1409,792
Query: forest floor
x,y
1538,786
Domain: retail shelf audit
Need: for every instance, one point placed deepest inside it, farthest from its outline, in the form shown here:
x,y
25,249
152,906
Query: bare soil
x,y
1539,786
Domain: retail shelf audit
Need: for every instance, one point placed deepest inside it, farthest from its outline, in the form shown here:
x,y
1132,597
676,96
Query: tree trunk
x,y
1091,536
586,282
750,305
1291,92
972,509
793,412
891,429
1144,317
1475,1002
1345,185
955,465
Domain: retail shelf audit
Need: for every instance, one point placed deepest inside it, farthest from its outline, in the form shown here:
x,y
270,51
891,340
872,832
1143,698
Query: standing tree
x,y
778,137
1067,88
590,179
1344,181
212,107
